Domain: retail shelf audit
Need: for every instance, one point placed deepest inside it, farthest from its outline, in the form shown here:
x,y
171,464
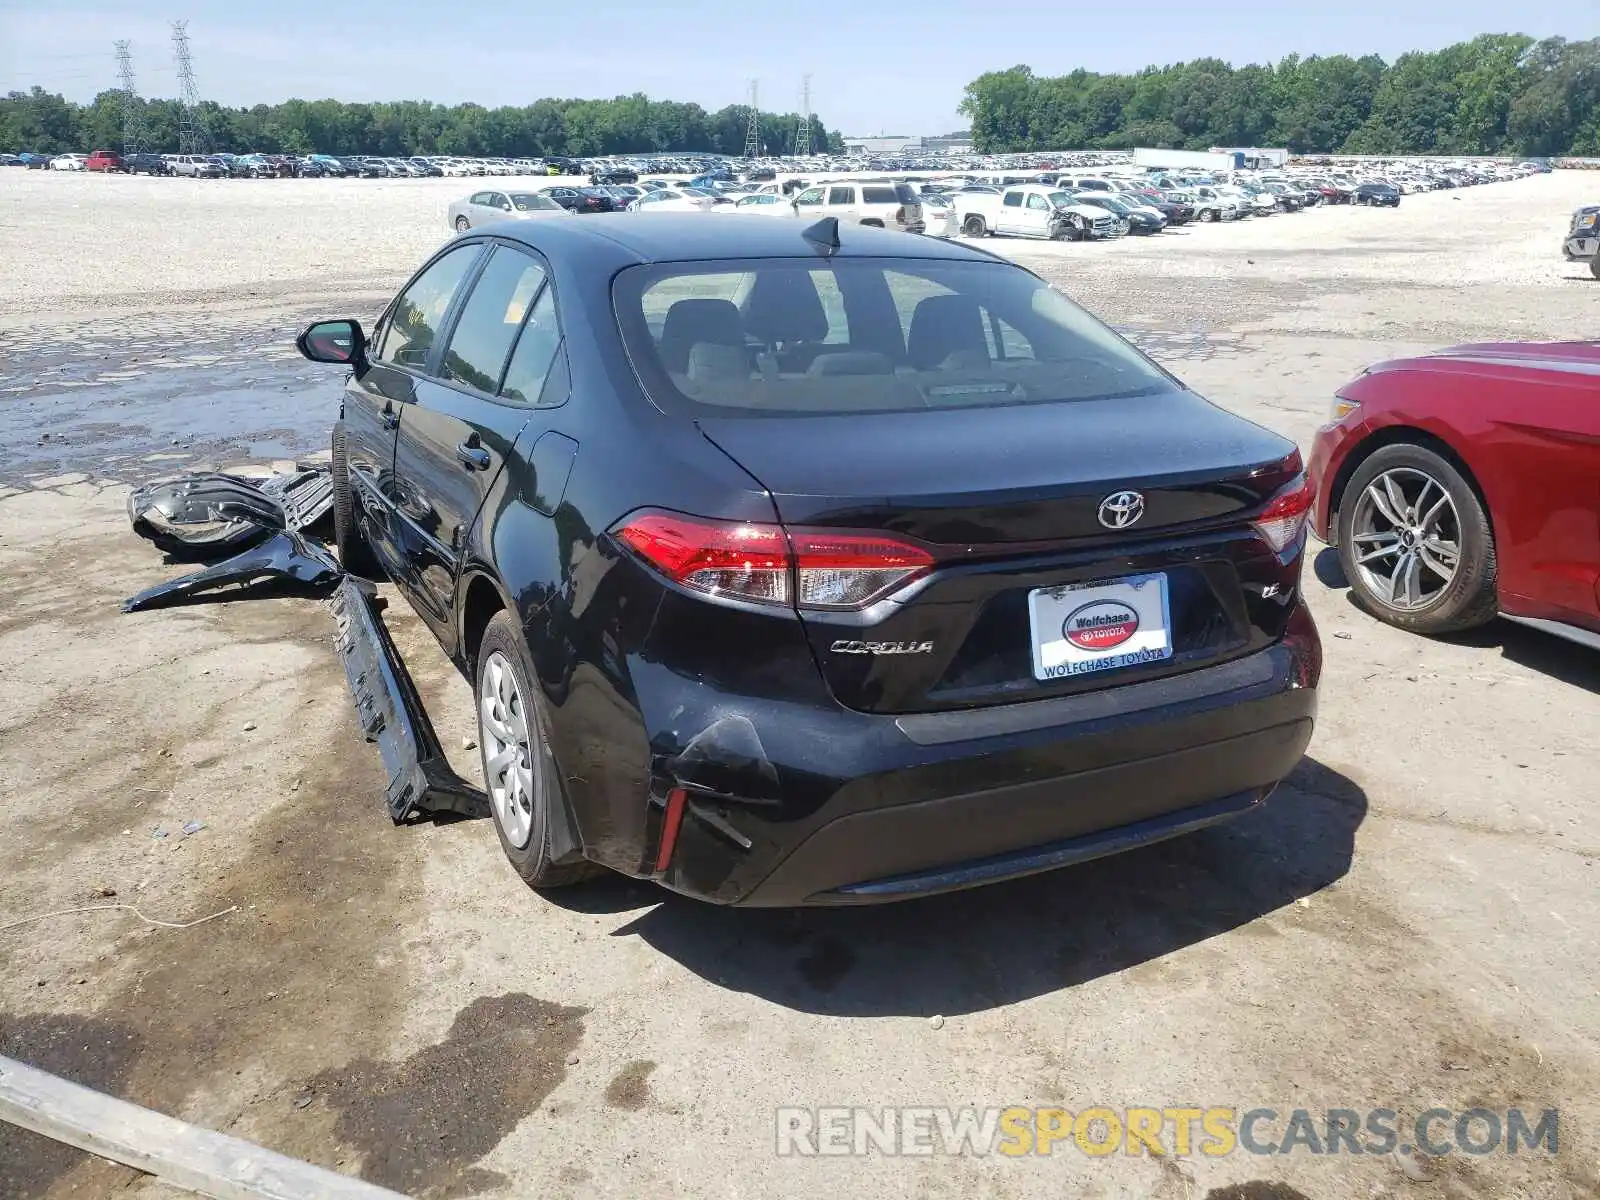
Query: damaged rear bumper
x,y
779,807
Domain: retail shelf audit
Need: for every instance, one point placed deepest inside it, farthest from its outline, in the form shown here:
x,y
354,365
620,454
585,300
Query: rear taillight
x,y
740,561
851,570
1282,521
812,569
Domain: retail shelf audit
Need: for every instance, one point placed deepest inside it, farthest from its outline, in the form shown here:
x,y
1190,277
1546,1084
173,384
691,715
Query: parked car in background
x,y
1134,219
1031,210
1383,195
884,204
482,207
678,200
35,162
195,166
1203,209
1466,483
68,162
11,160
765,204
1037,600
938,215
146,164
1583,238
614,175
103,160
582,199
1219,205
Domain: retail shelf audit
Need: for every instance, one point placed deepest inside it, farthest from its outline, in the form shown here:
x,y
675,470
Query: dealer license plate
x,y
1084,628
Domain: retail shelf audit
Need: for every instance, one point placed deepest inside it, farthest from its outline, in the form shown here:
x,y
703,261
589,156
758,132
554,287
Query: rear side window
x,y
414,321
769,337
1013,200
490,319
841,195
536,349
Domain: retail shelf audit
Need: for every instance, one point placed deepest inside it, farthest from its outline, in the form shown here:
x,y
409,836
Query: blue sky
x,y
877,68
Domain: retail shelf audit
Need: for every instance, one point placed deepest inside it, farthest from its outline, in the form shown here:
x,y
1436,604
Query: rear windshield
x,y
787,336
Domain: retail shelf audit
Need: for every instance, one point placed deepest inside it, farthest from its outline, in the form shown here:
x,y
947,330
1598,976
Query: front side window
x,y
811,196
414,321
1037,201
490,319
770,337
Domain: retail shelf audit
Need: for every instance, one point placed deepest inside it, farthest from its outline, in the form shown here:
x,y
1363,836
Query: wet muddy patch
x,y
420,1123
629,1088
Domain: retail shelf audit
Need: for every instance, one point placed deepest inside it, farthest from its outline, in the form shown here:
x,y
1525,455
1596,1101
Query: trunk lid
x,y
1008,499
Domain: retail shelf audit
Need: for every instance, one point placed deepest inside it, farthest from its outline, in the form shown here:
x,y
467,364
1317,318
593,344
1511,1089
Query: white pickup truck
x,y
1031,210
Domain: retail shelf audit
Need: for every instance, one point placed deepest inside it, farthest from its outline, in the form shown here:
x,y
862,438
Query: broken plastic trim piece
x,y
211,513
391,714
284,555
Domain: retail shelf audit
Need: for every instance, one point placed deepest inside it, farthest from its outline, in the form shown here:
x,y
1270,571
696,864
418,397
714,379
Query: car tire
x,y
1594,266
1209,215
1469,598
355,556
507,703
462,224
975,227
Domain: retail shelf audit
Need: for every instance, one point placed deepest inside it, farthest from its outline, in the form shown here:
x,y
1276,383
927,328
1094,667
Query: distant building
x,y
882,144
959,142
1254,156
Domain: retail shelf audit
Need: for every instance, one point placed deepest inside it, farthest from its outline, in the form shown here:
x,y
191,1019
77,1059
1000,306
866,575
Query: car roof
x,y
688,237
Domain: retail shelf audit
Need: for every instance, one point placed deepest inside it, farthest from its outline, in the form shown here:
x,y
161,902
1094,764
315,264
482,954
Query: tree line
x,y
1497,94
47,123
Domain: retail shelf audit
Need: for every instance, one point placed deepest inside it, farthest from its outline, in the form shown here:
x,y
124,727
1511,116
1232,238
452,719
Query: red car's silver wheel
x,y
1416,542
1406,539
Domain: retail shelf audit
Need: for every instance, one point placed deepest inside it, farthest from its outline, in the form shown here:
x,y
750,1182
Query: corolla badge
x,y
1121,509
844,646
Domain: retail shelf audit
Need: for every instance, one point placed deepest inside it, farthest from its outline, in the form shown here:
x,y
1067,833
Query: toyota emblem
x,y
1121,509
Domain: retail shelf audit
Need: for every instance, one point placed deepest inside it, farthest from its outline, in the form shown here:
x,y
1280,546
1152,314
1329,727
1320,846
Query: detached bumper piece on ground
x,y
260,522
391,714
198,517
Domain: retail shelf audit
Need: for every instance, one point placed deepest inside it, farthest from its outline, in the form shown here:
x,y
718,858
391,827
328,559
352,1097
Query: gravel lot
x,y
1410,923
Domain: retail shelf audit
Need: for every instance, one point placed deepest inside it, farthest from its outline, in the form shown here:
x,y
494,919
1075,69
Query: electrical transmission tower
x,y
192,136
802,131
752,133
132,113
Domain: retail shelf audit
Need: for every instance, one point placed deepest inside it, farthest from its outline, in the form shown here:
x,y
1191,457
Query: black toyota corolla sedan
x,y
808,564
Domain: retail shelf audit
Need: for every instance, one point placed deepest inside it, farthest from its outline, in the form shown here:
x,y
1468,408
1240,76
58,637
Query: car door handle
x,y
474,458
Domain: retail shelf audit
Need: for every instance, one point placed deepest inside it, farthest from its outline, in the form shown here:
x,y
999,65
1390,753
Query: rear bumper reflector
x,y
676,800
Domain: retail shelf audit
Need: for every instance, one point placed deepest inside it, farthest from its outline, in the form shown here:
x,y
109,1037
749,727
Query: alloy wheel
x,y
1406,539
503,724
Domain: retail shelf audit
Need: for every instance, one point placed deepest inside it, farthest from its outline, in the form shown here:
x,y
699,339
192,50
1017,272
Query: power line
x,y
752,133
802,131
132,111
192,136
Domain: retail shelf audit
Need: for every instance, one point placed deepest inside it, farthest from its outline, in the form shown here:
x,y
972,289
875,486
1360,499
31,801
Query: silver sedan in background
x,y
483,207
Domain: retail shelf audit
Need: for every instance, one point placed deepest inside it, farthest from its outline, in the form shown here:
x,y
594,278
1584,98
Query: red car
x,y
103,160
1466,484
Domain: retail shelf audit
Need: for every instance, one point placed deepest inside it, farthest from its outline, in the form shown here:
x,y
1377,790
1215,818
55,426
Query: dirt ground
x,y
1413,921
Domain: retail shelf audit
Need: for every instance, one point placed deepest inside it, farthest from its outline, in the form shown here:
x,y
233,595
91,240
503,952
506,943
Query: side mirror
x,y
333,342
